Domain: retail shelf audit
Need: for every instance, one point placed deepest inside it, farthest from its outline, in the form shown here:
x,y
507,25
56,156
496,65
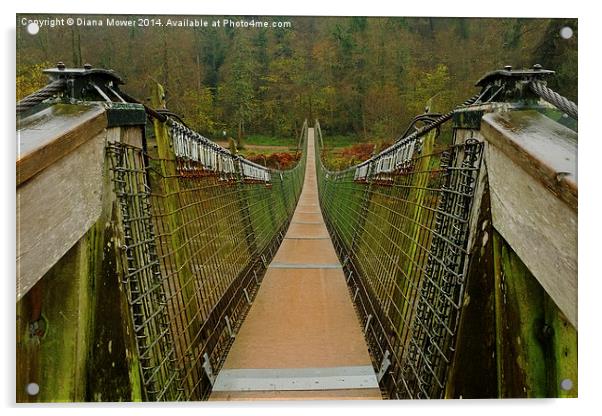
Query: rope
x,y
43,94
554,98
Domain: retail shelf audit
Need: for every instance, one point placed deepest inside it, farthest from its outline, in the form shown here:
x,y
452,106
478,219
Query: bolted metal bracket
x,y
384,366
511,84
87,83
208,369
38,329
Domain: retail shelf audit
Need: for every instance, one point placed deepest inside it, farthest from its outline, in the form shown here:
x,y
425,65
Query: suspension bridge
x,y
155,265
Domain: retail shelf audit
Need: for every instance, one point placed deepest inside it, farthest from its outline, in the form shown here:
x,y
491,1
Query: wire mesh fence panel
x,y
201,226
400,225
142,278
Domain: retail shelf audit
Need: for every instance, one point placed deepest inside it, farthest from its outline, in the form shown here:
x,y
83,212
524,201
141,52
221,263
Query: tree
x,y
236,91
30,79
555,52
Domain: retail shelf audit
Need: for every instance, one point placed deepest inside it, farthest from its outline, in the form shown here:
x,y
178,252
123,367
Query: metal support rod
x,y
229,326
208,369
367,326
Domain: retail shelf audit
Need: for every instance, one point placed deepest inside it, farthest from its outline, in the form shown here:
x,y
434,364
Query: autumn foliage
x,y
284,160
365,77
358,152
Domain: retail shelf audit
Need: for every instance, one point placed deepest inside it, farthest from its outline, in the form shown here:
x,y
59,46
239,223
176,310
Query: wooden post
x,y
562,352
416,199
535,344
244,206
171,188
84,348
74,338
55,357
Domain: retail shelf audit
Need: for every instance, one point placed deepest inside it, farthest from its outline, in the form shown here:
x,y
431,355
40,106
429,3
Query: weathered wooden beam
x,y
76,352
69,294
526,345
47,136
54,357
533,200
56,208
60,179
543,148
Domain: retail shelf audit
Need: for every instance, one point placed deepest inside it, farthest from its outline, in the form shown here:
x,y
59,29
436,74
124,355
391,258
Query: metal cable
x,y
557,100
403,143
426,118
439,120
169,113
42,94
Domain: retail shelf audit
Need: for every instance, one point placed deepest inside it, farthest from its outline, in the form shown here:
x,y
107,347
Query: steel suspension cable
x,y
554,98
439,120
42,94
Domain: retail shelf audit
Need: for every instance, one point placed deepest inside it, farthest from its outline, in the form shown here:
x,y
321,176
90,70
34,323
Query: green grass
x,y
330,141
261,140
340,140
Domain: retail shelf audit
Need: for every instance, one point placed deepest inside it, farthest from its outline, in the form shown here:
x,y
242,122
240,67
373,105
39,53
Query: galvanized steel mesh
x,y
400,225
198,236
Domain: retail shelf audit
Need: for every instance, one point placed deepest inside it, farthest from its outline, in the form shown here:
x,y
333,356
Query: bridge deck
x,y
301,338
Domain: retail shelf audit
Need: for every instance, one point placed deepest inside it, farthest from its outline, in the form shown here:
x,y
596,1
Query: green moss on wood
x,y
416,203
562,352
56,360
175,221
86,351
536,346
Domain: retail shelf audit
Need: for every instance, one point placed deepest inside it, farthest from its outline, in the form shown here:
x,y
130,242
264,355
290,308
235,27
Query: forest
x,y
363,78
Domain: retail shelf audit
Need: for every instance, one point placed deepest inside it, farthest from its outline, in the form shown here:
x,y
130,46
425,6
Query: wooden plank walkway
x,y
301,339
